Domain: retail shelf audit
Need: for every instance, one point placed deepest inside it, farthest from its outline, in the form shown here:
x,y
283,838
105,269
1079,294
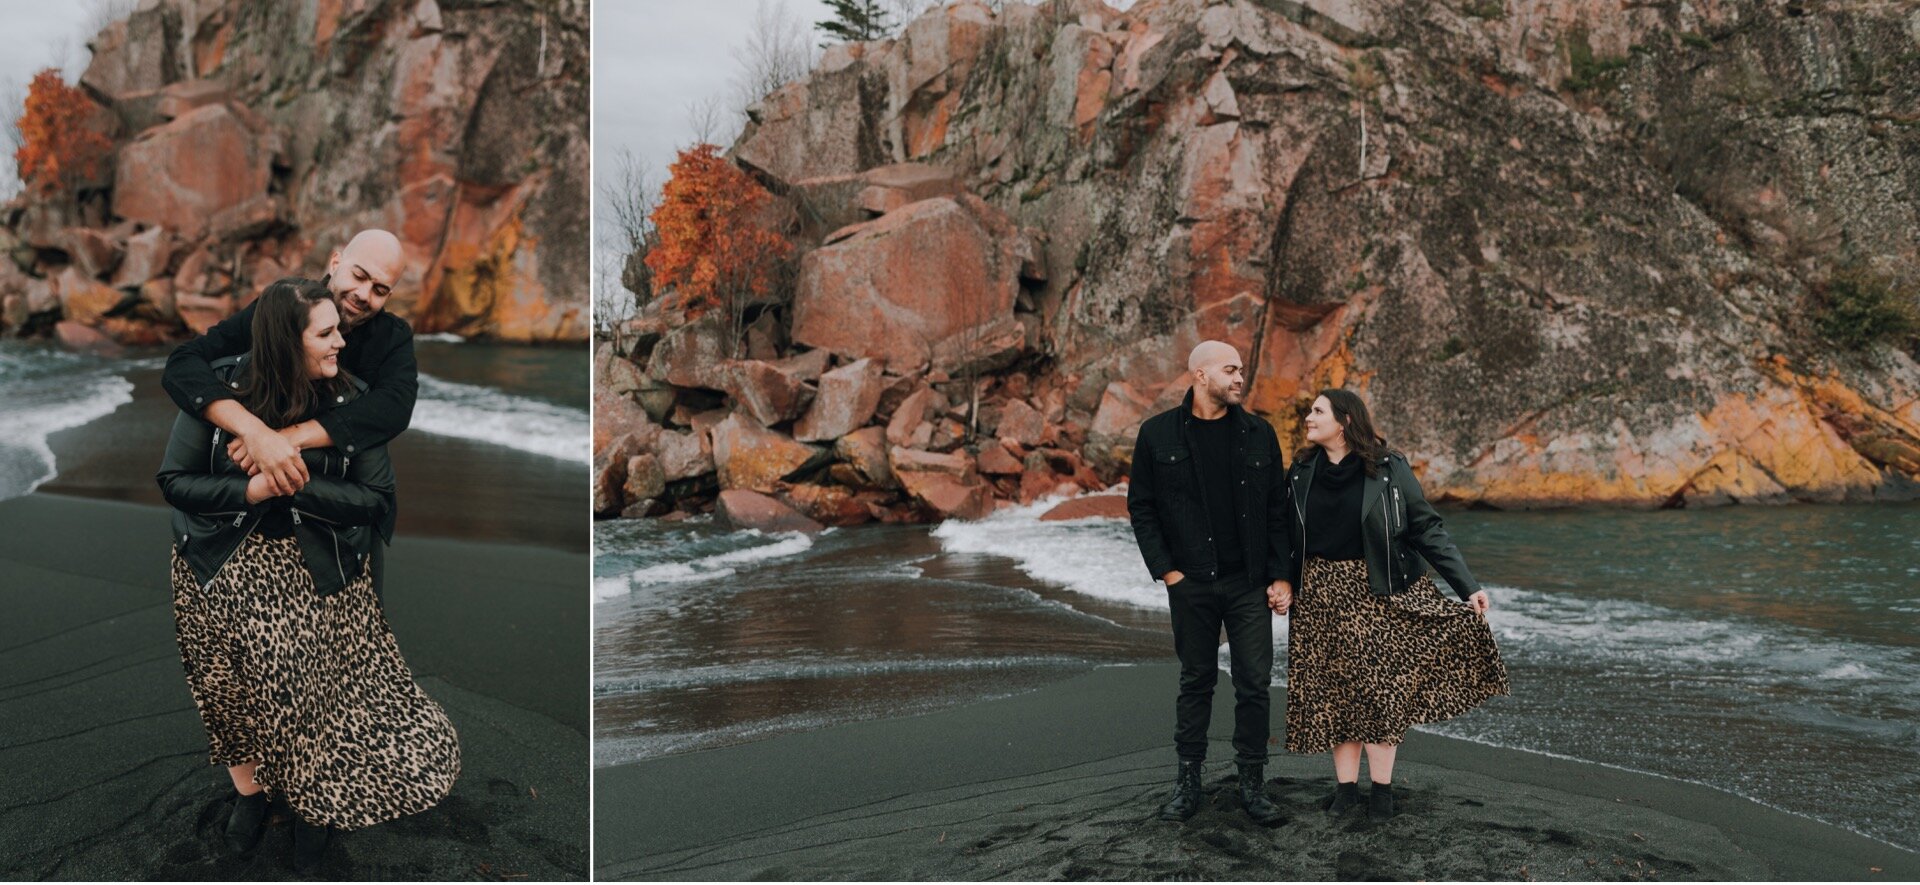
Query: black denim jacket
x,y
1166,498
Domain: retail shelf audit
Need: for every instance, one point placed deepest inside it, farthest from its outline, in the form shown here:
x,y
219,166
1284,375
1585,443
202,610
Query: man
x,y
1206,496
379,351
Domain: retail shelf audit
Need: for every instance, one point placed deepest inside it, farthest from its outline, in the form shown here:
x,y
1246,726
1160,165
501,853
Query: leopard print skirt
x,y
313,688
1364,668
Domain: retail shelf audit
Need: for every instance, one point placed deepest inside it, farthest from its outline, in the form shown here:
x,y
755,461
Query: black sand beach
x,y
105,757
1061,783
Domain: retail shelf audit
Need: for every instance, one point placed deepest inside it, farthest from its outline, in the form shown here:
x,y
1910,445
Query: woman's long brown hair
x,y
1357,427
277,387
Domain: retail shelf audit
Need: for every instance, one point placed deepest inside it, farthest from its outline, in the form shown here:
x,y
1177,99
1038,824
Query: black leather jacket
x,y
335,517
1166,498
1396,523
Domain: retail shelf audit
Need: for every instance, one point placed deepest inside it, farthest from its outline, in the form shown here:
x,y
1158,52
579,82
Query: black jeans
x,y
1200,608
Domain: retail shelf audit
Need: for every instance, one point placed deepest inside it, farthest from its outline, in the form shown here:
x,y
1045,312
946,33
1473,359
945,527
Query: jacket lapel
x,y
1370,491
1304,481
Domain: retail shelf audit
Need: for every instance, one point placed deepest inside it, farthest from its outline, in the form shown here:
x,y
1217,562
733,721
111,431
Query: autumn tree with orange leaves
x,y
712,252
58,149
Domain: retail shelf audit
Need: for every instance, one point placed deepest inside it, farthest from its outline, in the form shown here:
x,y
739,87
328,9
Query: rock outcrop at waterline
x,y
252,139
1571,252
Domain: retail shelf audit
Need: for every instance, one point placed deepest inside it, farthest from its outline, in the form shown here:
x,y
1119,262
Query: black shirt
x,y
1214,449
1333,508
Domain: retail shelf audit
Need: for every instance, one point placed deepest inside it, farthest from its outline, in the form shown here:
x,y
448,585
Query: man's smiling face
x,y
362,274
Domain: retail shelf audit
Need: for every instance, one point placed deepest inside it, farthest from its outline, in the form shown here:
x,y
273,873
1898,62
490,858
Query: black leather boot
x,y
247,822
1187,793
1253,796
309,844
1380,801
1345,795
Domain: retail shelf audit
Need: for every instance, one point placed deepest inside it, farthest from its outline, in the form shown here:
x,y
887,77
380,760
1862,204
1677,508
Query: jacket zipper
x,y
1301,507
338,564
236,549
1386,537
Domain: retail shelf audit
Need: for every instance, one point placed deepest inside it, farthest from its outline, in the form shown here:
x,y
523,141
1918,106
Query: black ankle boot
x,y
1380,801
1253,796
1187,793
247,822
1345,795
309,844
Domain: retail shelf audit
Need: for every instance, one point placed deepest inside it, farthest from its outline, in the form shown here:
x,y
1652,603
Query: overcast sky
x,y
653,58
38,35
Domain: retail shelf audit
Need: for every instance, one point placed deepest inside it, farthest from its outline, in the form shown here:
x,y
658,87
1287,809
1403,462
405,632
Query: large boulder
x,y
945,483
829,504
615,416
916,286
770,392
147,256
84,299
890,187
692,355
747,509
1022,423
683,455
181,174
864,453
911,422
645,478
846,400
607,476
137,55
1088,507
749,456
95,252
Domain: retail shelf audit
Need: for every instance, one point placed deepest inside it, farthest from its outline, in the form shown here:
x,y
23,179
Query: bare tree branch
x,y
626,197
778,51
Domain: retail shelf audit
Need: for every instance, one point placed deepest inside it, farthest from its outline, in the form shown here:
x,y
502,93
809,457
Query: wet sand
x,y
105,756
1062,782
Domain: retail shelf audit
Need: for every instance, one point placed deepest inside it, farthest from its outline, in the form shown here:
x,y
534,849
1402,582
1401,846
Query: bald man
x,y
379,351
1206,495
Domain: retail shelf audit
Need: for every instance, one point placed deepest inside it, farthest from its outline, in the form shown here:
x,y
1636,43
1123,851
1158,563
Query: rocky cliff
x,y
252,139
1570,251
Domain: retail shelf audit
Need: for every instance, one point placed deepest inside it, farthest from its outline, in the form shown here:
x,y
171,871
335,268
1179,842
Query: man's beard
x,y
1222,395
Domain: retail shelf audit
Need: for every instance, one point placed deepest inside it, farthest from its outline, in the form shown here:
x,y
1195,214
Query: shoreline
x,y
450,488
106,755
1023,787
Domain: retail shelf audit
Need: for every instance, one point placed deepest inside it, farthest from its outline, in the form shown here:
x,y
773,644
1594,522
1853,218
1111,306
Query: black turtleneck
x,y
1213,445
1333,508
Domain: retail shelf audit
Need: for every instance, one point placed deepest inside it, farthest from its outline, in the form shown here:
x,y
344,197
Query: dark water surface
x,y
1770,651
497,449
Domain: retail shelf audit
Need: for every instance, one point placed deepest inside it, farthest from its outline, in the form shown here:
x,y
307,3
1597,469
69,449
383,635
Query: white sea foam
x,y
441,337
706,568
1096,557
43,393
484,414
1099,558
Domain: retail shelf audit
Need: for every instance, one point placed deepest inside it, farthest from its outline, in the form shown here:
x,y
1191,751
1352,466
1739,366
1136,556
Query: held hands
x,y
259,489
272,456
1280,597
1480,603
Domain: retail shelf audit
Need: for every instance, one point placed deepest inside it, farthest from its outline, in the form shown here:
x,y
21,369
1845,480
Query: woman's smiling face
x,y
1322,427
322,340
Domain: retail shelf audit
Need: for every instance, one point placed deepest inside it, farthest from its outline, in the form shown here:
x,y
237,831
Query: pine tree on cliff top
x,y
855,20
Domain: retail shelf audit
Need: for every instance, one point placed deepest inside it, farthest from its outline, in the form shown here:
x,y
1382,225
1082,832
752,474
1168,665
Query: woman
x,y
297,678
1372,646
